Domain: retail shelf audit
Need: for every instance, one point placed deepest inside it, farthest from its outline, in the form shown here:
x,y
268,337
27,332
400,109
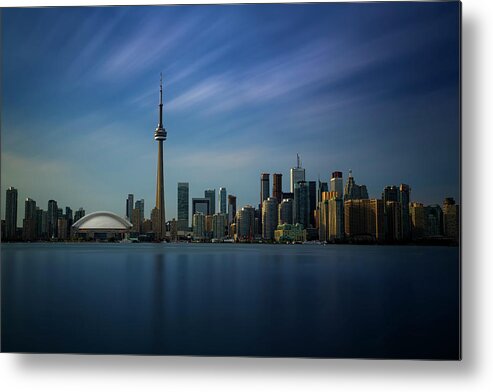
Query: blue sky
x,y
370,87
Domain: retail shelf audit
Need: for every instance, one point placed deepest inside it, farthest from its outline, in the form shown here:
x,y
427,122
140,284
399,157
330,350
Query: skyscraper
x,y
231,208
183,206
451,219
277,186
245,223
404,199
222,200
129,206
296,173
312,197
353,191
139,204
218,225
80,213
29,223
269,218
211,195
417,215
336,184
201,204
11,214
52,219
302,204
160,136
286,212
198,226
264,187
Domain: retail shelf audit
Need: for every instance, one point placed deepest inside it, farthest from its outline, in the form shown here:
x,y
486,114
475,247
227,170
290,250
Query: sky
x,y
372,87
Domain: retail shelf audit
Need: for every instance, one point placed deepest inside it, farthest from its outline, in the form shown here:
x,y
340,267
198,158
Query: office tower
x,y
41,229
264,187
404,199
80,213
302,204
277,186
140,205
336,184
146,226
323,216
136,220
269,218
201,204
62,227
245,223
198,225
231,209
393,221
433,221
364,219
390,193
70,220
159,224
417,215
130,206
353,191
11,214
218,224
377,219
222,201
29,223
451,214
211,195
297,174
322,187
183,206
286,212
52,219
312,197
335,217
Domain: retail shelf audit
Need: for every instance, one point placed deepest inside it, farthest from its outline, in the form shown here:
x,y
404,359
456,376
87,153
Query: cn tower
x,y
160,137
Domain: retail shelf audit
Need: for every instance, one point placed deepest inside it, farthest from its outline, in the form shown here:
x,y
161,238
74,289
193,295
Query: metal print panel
x,y
278,180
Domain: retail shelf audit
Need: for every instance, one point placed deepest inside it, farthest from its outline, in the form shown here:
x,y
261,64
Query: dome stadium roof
x,y
102,220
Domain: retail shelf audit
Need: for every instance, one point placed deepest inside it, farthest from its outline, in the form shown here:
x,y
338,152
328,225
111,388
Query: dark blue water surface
x,y
229,299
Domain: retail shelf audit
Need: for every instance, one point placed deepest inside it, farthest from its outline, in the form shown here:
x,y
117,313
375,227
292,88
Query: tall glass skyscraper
x,y
183,206
302,203
129,206
222,200
297,174
211,195
264,187
11,214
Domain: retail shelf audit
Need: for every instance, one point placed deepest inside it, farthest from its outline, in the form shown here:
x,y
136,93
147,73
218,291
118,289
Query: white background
x,y
473,373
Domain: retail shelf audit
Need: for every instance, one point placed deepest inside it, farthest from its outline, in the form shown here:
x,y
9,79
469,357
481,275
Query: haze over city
x,y
365,88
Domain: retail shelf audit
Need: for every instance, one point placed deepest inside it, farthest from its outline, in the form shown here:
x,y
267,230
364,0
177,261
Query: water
x,y
229,299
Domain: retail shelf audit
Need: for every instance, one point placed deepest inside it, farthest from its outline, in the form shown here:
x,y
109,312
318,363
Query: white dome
x,y
102,220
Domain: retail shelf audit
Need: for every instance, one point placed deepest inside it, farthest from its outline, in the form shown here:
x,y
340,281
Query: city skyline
x,y
342,101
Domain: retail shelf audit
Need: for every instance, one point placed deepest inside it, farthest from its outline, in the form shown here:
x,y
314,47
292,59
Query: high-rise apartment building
x,y
52,219
129,206
198,226
418,221
404,199
29,223
264,187
286,212
451,214
269,218
245,223
231,209
219,222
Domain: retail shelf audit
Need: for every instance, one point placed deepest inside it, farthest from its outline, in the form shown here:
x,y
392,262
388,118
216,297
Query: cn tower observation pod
x,y
101,225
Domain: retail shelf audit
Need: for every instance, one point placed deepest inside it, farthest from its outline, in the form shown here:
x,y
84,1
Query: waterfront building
x,y
219,222
231,208
146,226
336,184
418,221
364,219
451,219
29,223
183,206
198,226
269,218
129,206
11,214
286,212
404,199
393,221
79,214
211,195
136,220
323,217
264,187
277,186
297,174
101,225
245,224
52,219
302,204
41,224
289,233
352,191
208,226
335,218
312,200
433,221
222,201
62,226
140,205
160,136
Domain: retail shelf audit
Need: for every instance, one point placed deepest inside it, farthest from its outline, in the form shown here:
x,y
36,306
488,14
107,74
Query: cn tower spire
x,y
160,125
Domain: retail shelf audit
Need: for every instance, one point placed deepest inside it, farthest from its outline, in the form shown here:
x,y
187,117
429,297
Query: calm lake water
x,y
229,299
